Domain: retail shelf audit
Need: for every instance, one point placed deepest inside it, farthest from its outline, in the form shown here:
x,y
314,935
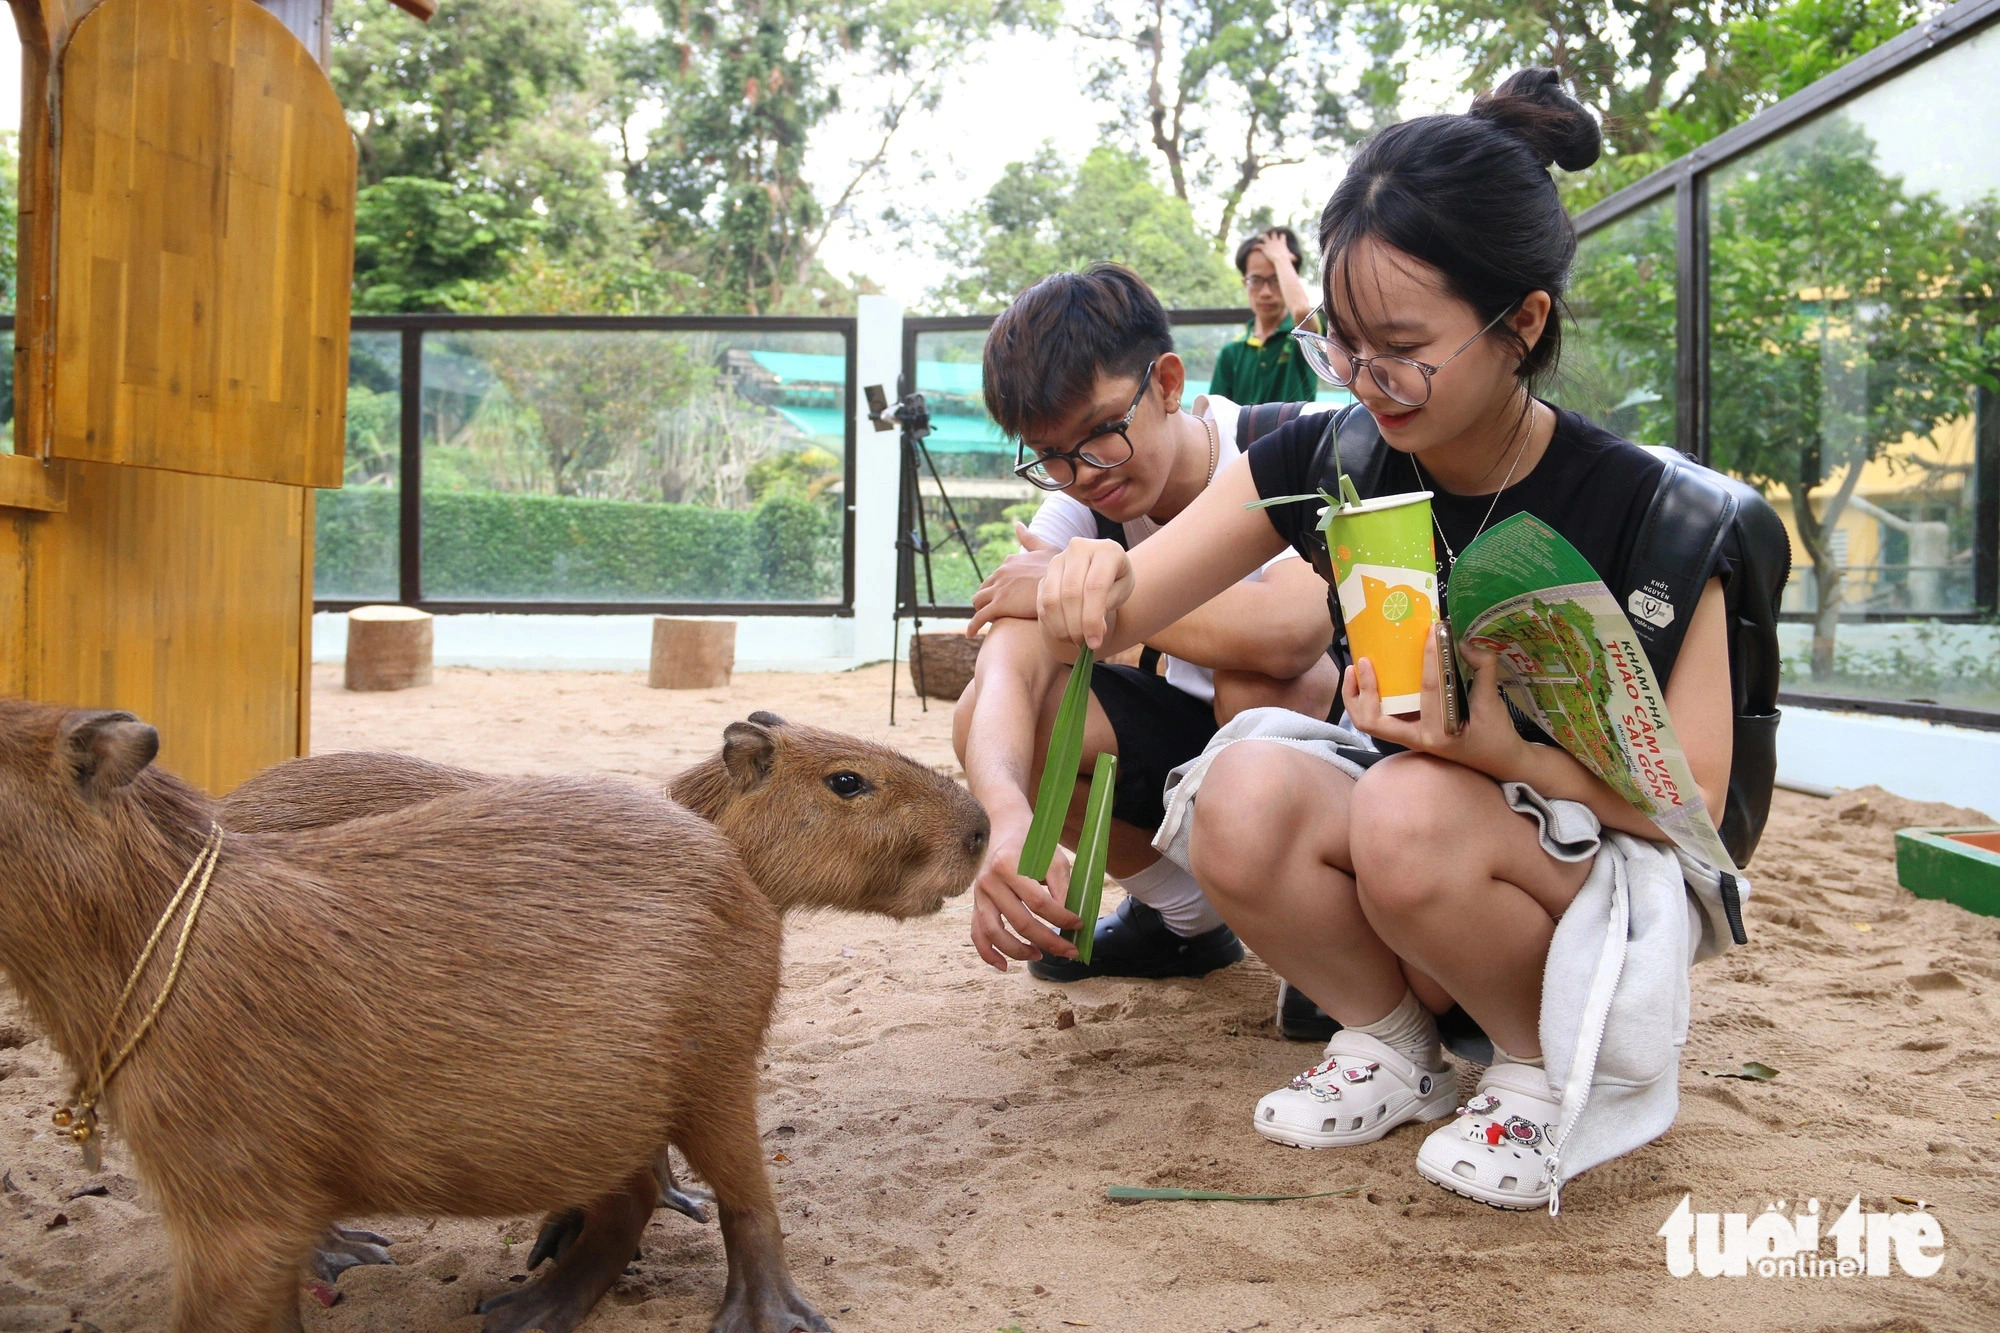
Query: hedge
x,y
481,546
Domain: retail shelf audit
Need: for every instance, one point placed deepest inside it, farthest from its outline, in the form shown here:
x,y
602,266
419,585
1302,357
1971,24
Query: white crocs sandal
x,y
1358,1093
1497,1151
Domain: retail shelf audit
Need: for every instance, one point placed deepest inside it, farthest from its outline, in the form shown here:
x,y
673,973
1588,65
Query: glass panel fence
x,y
1618,355
633,466
1851,269
355,543
976,462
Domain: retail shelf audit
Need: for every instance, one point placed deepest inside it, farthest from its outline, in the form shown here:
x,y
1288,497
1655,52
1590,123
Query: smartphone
x,y
1451,681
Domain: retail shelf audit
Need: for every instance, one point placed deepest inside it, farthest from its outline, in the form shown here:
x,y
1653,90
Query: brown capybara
x,y
497,1001
821,818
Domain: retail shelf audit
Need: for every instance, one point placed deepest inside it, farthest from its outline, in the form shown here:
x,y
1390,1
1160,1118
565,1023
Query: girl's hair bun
x,y
1533,104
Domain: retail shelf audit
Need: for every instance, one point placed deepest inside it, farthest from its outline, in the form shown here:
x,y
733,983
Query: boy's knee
x,y
961,718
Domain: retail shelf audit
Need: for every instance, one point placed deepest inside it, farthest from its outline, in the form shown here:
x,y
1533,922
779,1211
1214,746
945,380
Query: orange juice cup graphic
x,y
1385,568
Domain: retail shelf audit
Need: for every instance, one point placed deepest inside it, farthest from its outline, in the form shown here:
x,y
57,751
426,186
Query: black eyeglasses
x,y
1057,471
1406,381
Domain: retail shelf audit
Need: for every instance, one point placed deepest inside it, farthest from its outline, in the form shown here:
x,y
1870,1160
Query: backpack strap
x,y
1679,548
1256,420
1109,530
1363,454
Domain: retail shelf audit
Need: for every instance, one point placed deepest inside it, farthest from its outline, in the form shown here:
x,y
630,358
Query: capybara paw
x,y
341,1249
681,1201
559,1232
775,1309
551,1309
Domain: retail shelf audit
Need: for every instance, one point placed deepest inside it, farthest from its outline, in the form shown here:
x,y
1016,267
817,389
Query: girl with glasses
x,y
1391,892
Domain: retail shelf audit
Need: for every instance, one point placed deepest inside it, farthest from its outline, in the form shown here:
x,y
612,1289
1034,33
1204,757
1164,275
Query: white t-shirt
x,y
1062,519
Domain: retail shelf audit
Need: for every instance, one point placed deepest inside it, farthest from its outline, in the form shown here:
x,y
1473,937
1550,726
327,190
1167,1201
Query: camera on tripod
x,y
910,411
913,543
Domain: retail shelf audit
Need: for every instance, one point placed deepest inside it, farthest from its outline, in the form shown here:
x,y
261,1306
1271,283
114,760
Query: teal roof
x,y
951,432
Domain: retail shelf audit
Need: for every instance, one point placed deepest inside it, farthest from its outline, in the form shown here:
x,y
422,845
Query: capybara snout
x,y
825,819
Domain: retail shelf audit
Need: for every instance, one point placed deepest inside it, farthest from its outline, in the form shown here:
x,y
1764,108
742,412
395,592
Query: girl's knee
x,y
1406,837
1243,817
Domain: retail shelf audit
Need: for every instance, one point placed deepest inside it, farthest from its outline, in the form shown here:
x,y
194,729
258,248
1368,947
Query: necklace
x,y
79,1117
1214,450
1451,556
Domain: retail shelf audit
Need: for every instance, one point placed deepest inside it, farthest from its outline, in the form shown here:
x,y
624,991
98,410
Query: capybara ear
x,y
767,719
747,751
104,751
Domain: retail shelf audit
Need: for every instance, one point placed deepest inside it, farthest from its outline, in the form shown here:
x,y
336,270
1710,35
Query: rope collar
x,y
80,1116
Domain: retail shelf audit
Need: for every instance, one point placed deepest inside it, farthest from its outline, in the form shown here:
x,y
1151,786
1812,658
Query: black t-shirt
x,y
1590,485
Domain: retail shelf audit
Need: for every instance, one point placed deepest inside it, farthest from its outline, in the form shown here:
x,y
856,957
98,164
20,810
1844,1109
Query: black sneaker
x,y
1299,1019
1135,941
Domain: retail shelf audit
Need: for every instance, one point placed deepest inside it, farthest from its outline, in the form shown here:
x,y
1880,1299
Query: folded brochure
x,y
1570,660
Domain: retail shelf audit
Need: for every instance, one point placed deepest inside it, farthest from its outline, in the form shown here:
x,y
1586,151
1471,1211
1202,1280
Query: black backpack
x,y
1700,524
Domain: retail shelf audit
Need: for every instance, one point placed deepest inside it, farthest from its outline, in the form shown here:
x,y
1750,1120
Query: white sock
x,y
1172,892
1501,1057
1408,1029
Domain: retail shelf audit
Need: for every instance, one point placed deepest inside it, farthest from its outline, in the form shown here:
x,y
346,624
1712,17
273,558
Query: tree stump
x,y
692,654
941,664
388,648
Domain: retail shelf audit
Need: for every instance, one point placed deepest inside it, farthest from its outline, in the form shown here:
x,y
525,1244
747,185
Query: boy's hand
x,y
1009,591
1489,742
1004,898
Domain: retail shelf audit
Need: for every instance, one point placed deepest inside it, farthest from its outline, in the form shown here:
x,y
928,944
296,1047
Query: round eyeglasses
x,y
1405,380
1106,447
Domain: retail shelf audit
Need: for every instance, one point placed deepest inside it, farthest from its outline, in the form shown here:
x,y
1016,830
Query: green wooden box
x,y
1960,865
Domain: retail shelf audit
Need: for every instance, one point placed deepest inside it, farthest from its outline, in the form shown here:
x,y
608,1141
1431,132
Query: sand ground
x,y
941,1135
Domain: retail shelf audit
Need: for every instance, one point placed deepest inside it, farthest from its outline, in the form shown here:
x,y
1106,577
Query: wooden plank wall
x,y
178,598
183,598
205,232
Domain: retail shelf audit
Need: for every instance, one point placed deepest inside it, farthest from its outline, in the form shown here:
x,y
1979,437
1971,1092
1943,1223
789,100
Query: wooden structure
x,y
691,654
388,648
186,253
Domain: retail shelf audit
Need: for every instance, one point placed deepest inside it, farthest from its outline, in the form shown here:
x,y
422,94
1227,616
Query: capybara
x,y
500,1000
821,818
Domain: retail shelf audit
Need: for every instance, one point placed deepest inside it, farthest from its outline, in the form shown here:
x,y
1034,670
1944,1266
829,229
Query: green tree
x,y
1662,75
1043,216
1848,313
473,133
743,86
1226,90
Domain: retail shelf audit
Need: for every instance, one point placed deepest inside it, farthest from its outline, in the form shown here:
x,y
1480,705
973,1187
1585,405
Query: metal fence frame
x,y
409,531
1686,178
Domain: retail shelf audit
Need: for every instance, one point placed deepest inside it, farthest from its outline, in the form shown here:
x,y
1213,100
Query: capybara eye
x,y
846,785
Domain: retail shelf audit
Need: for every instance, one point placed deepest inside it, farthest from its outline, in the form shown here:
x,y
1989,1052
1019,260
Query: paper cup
x,y
1385,568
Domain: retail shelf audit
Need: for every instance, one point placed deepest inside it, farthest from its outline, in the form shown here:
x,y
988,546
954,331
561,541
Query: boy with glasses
x,y
1081,371
1264,365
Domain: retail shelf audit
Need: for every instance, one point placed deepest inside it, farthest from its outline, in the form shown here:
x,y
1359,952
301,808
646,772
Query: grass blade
x,y
1086,877
1139,1194
1059,771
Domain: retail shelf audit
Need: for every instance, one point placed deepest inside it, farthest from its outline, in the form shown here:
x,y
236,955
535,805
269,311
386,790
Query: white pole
x,y
879,356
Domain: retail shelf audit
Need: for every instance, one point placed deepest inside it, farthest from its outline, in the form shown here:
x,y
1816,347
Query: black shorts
x,y
1159,728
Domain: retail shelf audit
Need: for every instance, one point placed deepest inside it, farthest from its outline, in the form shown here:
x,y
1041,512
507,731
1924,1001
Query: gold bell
x,y
81,1133
62,1118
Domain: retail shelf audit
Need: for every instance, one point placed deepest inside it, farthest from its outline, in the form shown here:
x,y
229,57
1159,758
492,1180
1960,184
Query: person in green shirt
x,y
1264,365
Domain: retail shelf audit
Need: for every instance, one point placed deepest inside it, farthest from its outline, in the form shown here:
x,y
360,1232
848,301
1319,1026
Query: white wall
x,y
624,643
1920,760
